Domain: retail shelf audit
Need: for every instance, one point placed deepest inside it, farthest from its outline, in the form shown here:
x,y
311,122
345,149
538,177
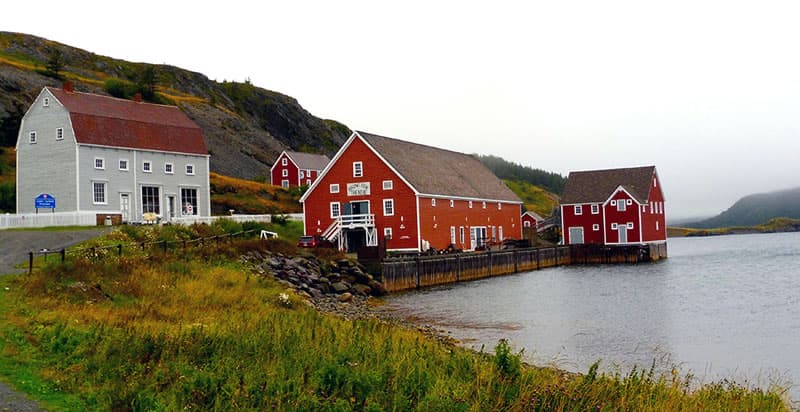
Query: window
x,y
453,235
470,204
99,163
285,184
655,182
620,205
284,162
388,185
388,207
433,202
284,173
595,209
526,223
483,205
308,182
46,102
578,209
661,208
190,169
302,174
60,133
147,166
656,224
335,212
500,233
334,188
387,233
358,169
614,226
630,225
613,203
99,193
168,168
499,206
189,202
32,137
628,202
452,203
123,164
151,200
596,227
461,234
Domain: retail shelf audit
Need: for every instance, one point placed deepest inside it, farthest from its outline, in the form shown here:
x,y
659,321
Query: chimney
x,y
68,86
137,97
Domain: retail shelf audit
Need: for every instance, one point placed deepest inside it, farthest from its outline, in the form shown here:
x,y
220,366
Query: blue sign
x,y
45,201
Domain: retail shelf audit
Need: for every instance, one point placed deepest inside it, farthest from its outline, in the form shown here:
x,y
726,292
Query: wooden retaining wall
x,y
421,271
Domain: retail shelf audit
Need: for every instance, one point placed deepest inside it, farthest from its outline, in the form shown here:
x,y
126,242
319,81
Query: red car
x,y
314,241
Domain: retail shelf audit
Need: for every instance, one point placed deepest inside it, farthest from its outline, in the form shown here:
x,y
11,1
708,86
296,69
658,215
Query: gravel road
x,y
14,248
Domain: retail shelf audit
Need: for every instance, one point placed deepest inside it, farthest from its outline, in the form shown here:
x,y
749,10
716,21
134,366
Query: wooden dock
x,y
405,273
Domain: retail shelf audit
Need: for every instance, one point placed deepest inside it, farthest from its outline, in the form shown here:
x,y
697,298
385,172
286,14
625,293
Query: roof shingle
x,y
108,121
595,186
441,172
309,160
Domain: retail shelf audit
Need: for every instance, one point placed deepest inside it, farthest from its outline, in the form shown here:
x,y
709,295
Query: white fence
x,y
45,219
9,221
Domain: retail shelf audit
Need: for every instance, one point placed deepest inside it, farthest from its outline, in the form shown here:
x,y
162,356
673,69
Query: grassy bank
x,y
194,330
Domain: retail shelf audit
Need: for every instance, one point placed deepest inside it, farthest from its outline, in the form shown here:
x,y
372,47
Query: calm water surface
x,y
719,307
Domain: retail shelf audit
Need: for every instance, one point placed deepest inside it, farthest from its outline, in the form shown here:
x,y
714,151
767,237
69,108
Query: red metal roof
x,y
108,121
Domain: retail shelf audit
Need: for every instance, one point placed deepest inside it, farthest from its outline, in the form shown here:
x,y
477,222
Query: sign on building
x,y
358,189
44,201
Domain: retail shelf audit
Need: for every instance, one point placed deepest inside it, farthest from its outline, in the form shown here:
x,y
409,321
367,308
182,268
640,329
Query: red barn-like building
x,y
530,219
413,196
614,206
293,169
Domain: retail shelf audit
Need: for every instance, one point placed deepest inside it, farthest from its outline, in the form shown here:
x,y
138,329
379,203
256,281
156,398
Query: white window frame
x,y
526,223
621,206
358,169
387,232
500,236
453,235
169,168
389,202
147,166
32,137
104,185
189,169
499,206
285,184
59,133
284,162
333,188
433,202
595,209
302,174
629,225
461,235
613,202
596,227
470,204
483,205
284,173
657,225
578,210
628,202
614,226
99,163
308,182
127,163
335,209
388,185
452,203
46,102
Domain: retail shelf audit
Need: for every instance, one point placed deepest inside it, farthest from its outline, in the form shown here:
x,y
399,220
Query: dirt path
x,y
14,248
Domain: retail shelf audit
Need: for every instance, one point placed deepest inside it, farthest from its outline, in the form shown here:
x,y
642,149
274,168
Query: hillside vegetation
x,y
197,331
552,182
249,197
756,209
245,126
533,197
7,180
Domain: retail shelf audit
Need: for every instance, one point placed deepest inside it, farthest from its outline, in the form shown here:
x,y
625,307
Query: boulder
x,y
362,289
340,287
345,297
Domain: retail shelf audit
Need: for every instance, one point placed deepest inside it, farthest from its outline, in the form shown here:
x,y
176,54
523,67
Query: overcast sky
x,y
708,91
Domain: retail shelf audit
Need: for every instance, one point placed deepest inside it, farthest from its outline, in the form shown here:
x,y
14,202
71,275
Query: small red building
x,y
411,195
293,169
614,206
530,219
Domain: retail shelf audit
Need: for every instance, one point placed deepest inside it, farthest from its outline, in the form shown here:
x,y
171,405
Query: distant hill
x,y
552,182
756,209
534,197
245,126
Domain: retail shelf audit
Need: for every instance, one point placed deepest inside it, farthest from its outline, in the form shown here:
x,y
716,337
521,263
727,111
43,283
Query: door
x,y
575,235
359,208
125,206
170,207
623,233
477,236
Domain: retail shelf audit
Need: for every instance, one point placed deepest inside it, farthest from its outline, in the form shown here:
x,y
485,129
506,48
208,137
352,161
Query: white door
x,y
623,233
125,206
575,235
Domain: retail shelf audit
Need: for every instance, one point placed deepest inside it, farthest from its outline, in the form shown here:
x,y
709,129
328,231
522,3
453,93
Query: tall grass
x,y
195,331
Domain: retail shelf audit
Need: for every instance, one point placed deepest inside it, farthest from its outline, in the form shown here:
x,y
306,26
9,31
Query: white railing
x,y
9,221
357,220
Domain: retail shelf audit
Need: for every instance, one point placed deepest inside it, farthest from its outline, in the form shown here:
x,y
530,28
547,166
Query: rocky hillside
x,y
245,126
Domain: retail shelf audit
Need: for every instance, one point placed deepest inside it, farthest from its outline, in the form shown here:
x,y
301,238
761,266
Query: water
x,y
719,307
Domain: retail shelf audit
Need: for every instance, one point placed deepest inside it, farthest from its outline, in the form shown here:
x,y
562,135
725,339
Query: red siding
x,y
528,218
629,215
435,221
654,225
375,171
586,220
291,171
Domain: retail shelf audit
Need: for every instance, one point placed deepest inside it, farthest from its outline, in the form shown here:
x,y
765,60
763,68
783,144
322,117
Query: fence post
x,y
417,264
119,249
165,246
63,255
30,262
